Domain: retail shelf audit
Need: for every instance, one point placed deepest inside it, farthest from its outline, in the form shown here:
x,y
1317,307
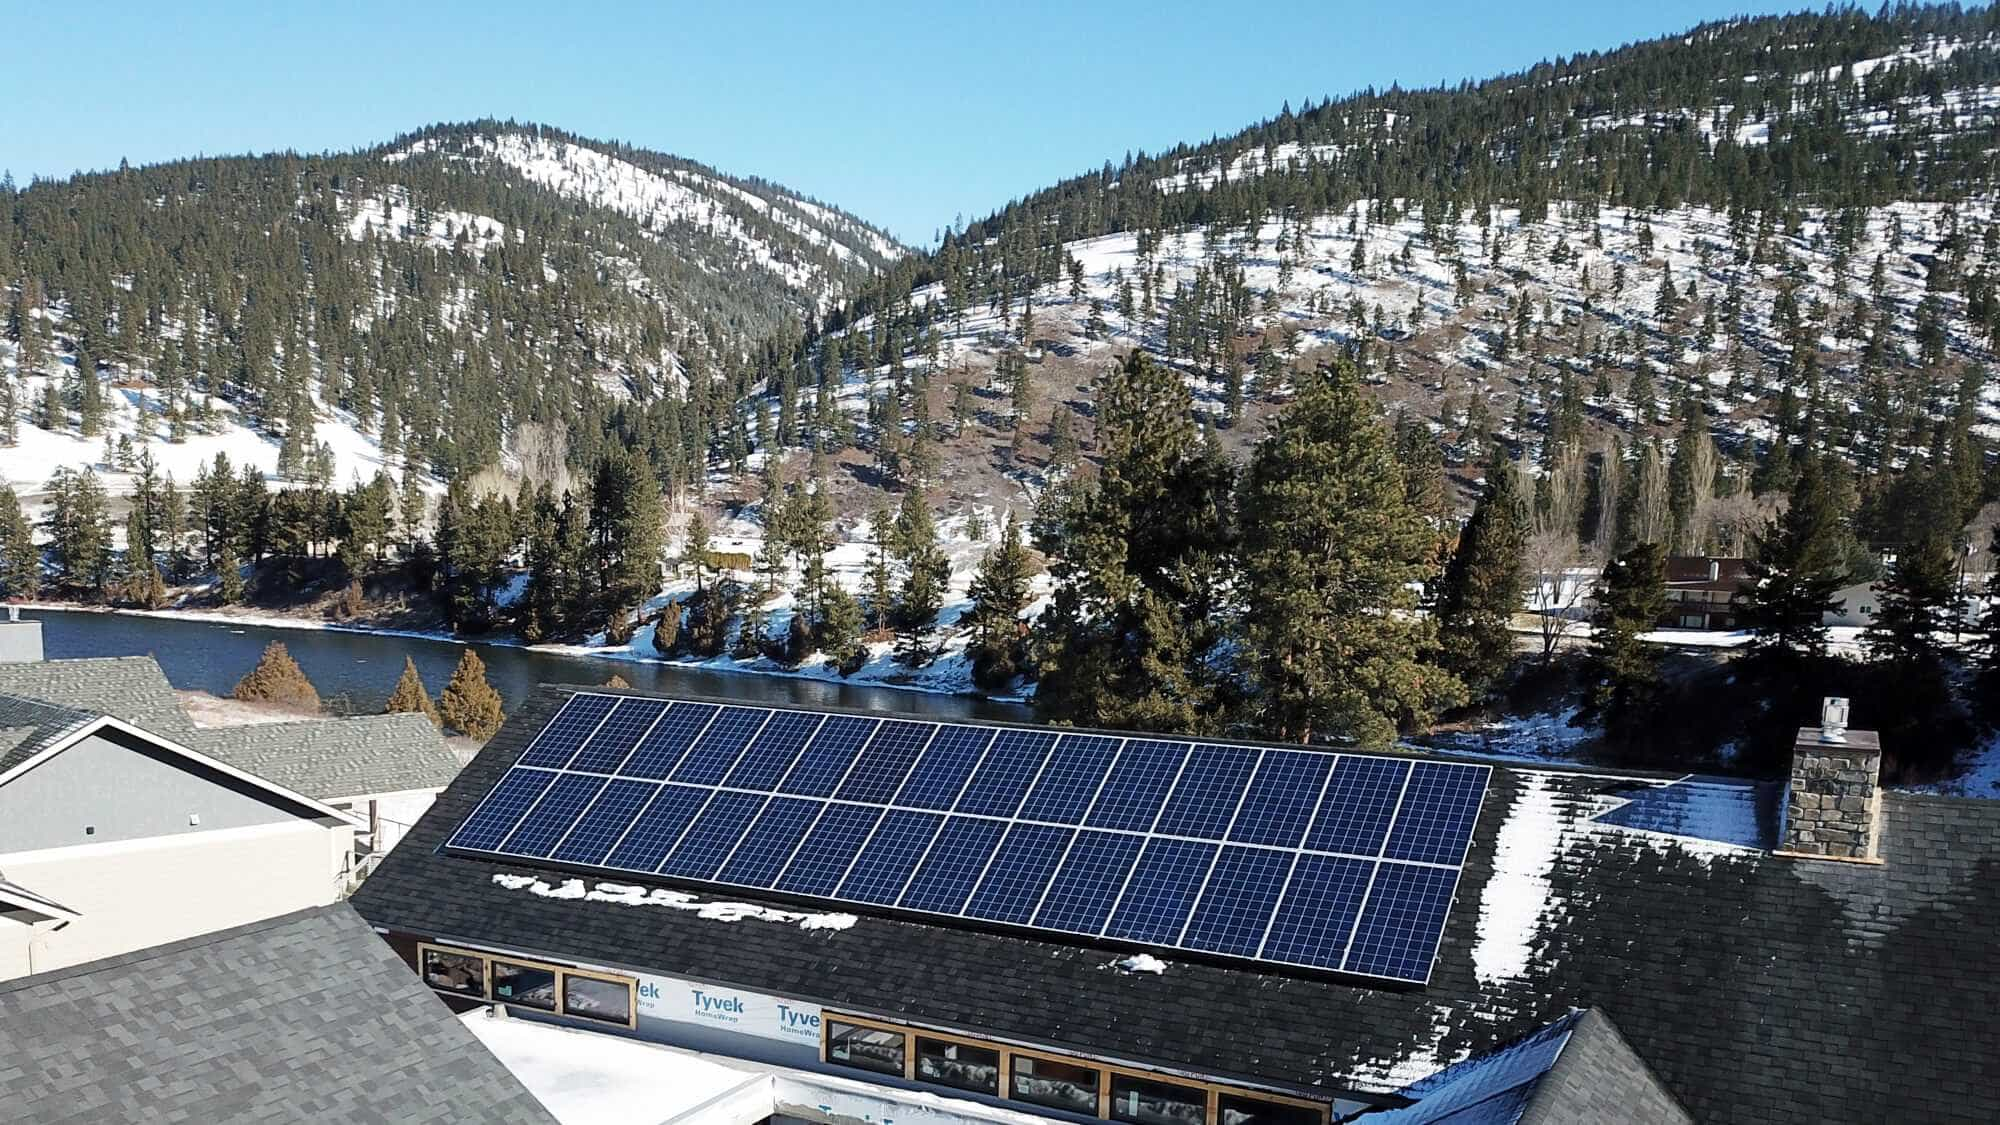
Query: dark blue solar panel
x,y
1019,873
1156,903
1281,798
658,828
829,849
1434,822
956,861
1210,787
660,751
604,822
708,762
1236,905
1081,897
828,756
1138,785
768,845
1070,780
940,774
552,816
1316,916
886,861
1003,778
1403,922
712,836
502,808
879,772
612,741
559,740
1360,798
772,752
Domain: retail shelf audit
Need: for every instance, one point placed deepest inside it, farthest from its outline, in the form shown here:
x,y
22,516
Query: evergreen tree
x,y
410,694
468,703
1800,563
1141,558
1330,549
925,573
1483,585
1624,671
78,532
999,593
20,558
278,679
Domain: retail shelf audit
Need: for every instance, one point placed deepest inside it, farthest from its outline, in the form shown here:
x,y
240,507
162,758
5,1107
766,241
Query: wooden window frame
x,y
999,1060
562,972
1212,1091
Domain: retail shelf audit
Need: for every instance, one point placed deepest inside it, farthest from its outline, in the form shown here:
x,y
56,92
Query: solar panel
x,y
1334,861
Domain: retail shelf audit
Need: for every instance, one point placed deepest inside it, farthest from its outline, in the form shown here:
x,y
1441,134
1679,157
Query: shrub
x,y
410,694
277,678
469,704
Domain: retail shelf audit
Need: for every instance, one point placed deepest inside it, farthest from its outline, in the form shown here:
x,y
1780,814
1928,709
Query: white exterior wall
x,y
397,813
138,893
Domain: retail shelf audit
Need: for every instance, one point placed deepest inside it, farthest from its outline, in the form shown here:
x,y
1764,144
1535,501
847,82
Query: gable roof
x,y
16,899
336,758
304,1017
131,688
29,726
1756,987
1576,1069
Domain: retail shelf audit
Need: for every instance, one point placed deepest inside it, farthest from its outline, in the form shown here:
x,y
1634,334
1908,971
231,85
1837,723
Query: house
x,y
955,910
1854,604
113,838
1702,592
383,769
124,825
304,1017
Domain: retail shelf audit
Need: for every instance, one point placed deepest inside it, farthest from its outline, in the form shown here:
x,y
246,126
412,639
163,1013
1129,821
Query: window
x,y
867,1048
1058,1085
596,998
1144,1101
455,972
530,986
959,1065
1238,1110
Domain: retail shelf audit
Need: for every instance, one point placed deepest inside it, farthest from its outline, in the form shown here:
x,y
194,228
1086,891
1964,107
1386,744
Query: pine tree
x,y
1800,563
1919,600
1625,670
468,703
229,575
410,694
840,629
278,679
1330,549
925,572
20,558
999,593
1483,585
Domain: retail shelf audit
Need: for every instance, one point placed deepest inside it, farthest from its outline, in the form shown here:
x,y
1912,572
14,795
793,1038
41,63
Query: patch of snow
x,y
1140,963
589,1078
625,894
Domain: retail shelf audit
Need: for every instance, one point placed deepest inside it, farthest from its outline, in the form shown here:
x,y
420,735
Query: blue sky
x,y
907,114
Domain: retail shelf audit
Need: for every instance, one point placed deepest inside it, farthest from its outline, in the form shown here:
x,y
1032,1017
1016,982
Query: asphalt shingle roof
x,y
27,726
1756,987
132,689
333,758
308,1017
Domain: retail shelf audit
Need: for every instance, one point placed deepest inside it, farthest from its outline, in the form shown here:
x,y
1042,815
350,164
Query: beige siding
x,y
138,893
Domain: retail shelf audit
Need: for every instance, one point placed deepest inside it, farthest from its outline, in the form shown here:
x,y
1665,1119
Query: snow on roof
x,y
628,895
585,1078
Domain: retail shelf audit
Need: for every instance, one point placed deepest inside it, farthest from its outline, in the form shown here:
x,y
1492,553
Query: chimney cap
x,y
1833,719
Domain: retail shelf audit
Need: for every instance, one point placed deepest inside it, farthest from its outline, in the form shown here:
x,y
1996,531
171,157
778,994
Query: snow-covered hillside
x,y
677,196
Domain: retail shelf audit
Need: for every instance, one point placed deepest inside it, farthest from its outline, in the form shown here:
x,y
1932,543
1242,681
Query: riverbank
x,y
950,675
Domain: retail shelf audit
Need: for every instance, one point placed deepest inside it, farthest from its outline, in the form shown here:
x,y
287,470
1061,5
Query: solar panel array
x,y
1343,862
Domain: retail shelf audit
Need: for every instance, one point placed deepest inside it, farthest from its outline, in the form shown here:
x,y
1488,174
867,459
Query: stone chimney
x,y
20,641
1833,804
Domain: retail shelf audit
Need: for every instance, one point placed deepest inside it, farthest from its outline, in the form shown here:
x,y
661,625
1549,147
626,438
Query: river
x,y
355,671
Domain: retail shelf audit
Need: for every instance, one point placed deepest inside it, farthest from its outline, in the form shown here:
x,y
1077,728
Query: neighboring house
x,y
963,913
301,1018
142,839
1702,592
385,769
1854,604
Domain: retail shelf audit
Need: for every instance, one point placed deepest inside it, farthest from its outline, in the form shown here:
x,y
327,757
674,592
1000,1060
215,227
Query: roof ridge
x,y
155,952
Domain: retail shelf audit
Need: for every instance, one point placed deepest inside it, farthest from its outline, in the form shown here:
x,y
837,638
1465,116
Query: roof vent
x,y
1833,802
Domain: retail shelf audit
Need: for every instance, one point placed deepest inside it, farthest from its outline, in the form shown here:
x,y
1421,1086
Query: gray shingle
x,y
332,758
303,1018
129,688
27,726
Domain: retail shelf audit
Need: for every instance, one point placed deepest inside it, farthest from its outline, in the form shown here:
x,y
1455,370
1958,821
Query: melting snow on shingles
x,y
1139,963
626,895
1512,902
